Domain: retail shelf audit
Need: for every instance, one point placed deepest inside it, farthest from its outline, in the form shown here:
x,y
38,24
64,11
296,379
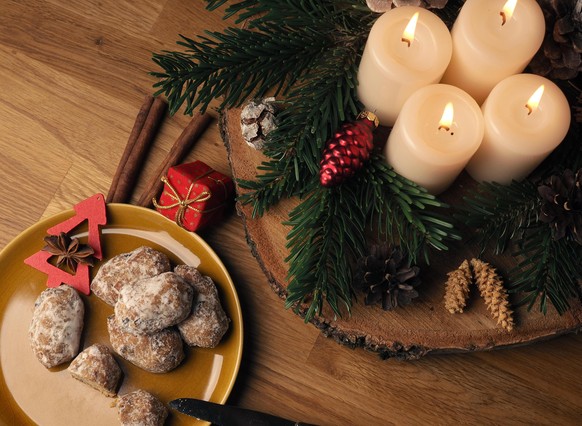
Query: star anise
x,y
69,251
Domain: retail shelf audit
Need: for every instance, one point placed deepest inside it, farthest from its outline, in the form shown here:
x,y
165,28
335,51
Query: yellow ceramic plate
x,y
29,393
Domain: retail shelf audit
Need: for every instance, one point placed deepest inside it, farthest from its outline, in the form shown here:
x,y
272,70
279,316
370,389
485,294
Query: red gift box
x,y
195,195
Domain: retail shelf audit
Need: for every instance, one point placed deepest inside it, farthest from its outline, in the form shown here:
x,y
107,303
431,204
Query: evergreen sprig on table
x,y
329,232
307,52
500,213
548,271
315,107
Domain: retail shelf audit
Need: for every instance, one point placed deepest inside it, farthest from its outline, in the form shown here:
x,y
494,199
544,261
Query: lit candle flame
x,y
507,11
534,100
408,34
447,118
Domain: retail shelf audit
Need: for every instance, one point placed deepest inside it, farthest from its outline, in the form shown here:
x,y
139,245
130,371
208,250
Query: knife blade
x,y
227,415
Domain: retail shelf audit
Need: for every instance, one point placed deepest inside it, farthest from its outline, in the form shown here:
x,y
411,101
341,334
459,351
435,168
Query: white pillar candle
x,y
395,64
491,41
519,134
426,147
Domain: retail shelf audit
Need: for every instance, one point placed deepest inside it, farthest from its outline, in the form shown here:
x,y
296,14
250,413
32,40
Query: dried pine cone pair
x,y
385,5
386,277
490,287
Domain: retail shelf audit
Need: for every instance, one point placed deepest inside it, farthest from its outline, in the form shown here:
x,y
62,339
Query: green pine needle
x,y
328,227
285,39
224,65
498,213
314,108
327,231
549,270
405,213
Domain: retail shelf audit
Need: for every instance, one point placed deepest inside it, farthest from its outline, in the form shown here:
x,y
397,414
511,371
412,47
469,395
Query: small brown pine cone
x,y
457,288
491,287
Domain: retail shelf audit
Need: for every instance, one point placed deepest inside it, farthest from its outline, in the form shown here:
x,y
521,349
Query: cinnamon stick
x,y
176,154
135,131
130,171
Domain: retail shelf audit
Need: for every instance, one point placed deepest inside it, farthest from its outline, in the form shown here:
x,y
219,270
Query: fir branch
x,y
233,9
295,12
315,109
404,212
307,50
276,179
327,234
317,106
328,227
548,271
500,213
236,65
325,80
214,4
290,37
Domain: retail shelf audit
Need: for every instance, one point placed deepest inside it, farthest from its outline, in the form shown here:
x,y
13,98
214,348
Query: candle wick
x,y
503,18
405,40
529,109
445,128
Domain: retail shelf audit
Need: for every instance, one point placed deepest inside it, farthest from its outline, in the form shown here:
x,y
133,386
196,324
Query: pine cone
x,y
457,288
385,276
562,205
385,5
257,120
561,54
491,288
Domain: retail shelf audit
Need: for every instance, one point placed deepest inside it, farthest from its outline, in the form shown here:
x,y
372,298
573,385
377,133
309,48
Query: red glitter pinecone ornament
x,y
347,151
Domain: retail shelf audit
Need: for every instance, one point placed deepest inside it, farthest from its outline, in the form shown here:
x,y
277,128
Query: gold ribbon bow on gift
x,y
182,204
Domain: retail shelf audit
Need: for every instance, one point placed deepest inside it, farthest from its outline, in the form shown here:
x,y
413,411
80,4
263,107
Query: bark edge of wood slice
x,y
422,328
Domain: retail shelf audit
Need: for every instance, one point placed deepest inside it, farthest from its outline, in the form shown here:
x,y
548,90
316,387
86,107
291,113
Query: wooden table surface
x,y
73,75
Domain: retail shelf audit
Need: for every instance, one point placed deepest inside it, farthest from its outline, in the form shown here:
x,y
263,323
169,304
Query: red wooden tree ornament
x,y
93,211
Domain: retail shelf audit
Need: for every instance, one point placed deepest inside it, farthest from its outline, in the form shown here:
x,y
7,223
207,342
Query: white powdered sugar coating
x,y
96,367
56,326
207,322
140,408
157,352
126,268
152,304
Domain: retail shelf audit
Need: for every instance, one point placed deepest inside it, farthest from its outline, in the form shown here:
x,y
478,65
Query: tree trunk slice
x,y
421,328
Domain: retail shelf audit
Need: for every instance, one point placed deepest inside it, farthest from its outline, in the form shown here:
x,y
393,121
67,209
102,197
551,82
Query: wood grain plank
x,y
82,47
135,18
